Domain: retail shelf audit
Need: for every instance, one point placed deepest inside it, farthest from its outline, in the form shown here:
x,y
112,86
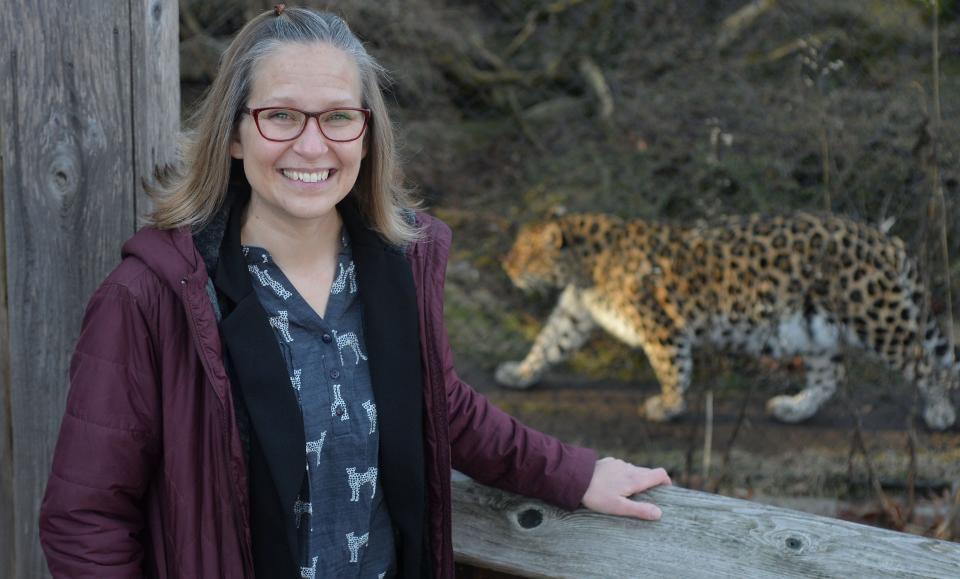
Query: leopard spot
x,y
816,241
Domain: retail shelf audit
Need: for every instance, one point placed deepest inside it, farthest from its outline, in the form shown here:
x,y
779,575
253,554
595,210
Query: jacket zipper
x,y
245,556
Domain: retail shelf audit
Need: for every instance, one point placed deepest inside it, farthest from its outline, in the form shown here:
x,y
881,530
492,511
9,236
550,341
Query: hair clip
x,y
278,9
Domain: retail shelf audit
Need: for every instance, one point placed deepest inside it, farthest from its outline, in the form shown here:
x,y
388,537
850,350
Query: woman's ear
x,y
236,147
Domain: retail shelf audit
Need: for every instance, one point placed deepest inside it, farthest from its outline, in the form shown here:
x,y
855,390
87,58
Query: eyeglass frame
x,y
255,114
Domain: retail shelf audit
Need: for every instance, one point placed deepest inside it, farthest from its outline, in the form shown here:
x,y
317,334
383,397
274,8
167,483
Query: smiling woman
x,y
299,178
263,387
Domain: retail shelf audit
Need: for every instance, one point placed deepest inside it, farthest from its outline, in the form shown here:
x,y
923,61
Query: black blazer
x,y
277,442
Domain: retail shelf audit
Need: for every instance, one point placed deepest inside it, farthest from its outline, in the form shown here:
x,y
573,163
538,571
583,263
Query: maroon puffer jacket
x,y
148,477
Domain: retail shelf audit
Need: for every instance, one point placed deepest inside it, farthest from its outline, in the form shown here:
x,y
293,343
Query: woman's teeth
x,y
306,177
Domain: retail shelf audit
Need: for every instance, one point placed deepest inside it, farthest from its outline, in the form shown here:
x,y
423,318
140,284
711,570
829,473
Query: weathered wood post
x,y
88,105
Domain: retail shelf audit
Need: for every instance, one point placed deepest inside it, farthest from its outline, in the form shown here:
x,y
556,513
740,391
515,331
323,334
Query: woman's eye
x,y
280,115
339,116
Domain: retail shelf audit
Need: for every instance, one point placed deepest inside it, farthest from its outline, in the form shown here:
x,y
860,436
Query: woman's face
x,y
284,176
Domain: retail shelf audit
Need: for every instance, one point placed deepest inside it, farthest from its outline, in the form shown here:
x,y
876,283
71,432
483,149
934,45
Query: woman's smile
x,y
308,176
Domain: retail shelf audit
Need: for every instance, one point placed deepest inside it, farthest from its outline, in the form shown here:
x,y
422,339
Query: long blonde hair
x,y
190,193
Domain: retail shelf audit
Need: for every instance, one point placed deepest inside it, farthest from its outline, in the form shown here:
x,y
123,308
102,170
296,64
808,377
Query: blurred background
x,y
677,111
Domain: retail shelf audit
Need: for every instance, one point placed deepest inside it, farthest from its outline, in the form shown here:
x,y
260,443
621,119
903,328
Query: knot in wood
x,y
62,179
61,156
530,518
794,543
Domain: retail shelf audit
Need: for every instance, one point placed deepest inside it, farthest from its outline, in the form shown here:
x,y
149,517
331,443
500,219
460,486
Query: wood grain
x,y
6,419
81,75
700,535
156,90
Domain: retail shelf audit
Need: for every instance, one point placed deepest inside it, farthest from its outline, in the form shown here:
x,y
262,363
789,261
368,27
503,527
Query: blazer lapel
x,y
391,333
262,376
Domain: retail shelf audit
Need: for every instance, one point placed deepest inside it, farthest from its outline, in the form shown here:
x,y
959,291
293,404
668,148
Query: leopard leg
x,y
672,361
934,374
567,328
930,367
823,373
938,411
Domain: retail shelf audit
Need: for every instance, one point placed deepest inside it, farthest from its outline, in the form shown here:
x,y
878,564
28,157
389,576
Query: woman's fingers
x,y
646,478
614,480
639,510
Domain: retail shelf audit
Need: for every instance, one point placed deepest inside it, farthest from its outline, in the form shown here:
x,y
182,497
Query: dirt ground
x,y
805,466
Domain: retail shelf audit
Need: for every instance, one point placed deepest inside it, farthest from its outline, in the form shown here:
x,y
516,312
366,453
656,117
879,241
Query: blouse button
x,y
339,411
326,338
334,374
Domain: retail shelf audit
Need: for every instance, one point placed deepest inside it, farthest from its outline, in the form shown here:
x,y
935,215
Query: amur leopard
x,y
781,286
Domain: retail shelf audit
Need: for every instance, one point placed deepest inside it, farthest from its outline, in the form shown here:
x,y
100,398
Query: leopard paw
x,y
940,415
654,409
791,409
511,375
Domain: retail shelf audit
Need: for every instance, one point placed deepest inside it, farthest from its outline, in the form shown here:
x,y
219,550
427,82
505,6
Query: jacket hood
x,y
169,253
175,254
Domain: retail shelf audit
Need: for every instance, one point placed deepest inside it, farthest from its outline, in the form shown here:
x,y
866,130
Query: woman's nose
x,y
311,141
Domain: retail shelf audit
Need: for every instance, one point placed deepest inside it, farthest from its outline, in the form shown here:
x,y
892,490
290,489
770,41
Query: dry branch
x,y
889,507
531,20
728,450
708,437
735,24
594,78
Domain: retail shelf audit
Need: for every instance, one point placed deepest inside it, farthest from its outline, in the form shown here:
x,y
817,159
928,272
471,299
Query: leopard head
x,y
537,259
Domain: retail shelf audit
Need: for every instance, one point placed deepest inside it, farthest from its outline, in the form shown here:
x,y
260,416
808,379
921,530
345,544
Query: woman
x,y
263,387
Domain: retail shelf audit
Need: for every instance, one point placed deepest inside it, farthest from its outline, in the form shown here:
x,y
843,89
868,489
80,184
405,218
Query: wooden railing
x,y
700,535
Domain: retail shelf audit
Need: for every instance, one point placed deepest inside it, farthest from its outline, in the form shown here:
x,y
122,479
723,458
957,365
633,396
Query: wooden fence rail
x,y
700,535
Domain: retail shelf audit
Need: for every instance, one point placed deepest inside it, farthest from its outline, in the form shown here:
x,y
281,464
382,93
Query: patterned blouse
x,y
343,523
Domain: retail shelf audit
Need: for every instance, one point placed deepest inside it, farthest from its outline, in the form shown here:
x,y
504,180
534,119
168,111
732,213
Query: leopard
x,y
802,286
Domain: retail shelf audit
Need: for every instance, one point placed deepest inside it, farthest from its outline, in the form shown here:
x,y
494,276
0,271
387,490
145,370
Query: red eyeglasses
x,y
340,125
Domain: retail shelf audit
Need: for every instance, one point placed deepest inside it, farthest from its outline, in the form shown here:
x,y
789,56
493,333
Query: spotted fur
x,y
803,285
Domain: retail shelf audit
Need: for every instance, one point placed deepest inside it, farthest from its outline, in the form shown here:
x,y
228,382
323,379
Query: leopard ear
x,y
555,236
556,212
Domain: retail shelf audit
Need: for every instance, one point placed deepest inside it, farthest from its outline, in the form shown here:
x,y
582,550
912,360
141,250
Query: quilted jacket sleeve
x,y
486,443
108,445
495,449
